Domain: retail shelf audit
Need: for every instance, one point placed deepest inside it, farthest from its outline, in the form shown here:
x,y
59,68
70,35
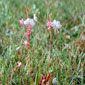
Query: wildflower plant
x,y
28,24
52,25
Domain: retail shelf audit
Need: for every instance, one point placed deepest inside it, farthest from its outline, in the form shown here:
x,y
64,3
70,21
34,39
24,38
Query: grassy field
x,y
56,54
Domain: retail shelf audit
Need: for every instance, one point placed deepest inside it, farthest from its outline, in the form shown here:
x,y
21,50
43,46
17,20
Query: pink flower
x,y
21,22
28,33
19,64
28,21
29,27
49,24
27,44
53,24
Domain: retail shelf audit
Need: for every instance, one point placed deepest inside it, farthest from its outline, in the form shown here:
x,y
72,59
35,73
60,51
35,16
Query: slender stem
x,y
50,43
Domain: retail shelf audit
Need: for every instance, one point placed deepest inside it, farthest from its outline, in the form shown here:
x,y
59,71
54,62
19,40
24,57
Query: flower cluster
x,y
19,64
53,24
28,24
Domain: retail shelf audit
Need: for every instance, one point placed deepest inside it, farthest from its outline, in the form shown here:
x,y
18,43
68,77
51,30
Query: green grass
x,y
66,64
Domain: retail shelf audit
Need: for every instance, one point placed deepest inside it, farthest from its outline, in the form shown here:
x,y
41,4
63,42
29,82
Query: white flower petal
x,y
56,24
29,22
